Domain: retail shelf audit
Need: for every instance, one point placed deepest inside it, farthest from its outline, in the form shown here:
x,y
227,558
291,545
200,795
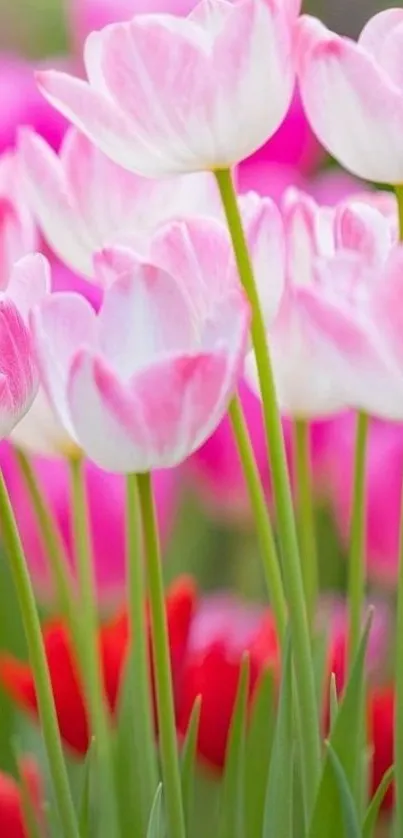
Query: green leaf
x,y
188,758
85,803
258,750
372,813
346,741
278,815
348,808
156,827
333,700
233,798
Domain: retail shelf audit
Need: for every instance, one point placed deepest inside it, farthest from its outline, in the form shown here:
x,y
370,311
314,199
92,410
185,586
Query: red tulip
x,y
12,823
17,678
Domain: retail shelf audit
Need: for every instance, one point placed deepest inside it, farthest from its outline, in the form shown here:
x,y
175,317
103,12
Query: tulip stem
x,y
138,663
305,679
162,665
356,582
89,654
306,514
37,655
52,540
271,564
398,749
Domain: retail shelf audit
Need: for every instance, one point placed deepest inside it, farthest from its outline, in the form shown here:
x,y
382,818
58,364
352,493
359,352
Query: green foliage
x,y
278,811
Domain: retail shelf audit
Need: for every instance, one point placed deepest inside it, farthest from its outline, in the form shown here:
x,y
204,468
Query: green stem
x,y
139,670
399,635
356,581
306,514
311,751
52,540
37,655
162,665
89,654
269,555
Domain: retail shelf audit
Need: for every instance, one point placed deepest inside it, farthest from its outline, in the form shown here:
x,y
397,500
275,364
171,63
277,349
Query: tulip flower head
x,y
142,384
335,341
67,195
151,117
353,93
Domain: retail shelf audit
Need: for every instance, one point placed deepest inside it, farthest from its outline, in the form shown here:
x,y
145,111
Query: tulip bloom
x,y
353,94
28,283
12,820
67,194
17,679
143,384
151,117
336,340
222,632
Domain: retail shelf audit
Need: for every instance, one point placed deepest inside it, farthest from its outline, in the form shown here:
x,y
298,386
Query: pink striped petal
x,y
353,105
61,324
53,202
29,282
265,236
170,410
93,113
18,372
144,316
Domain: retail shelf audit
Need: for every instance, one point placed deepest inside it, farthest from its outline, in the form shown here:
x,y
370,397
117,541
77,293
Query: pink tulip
x,y
89,15
336,341
68,195
151,117
106,499
353,93
28,283
384,488
144,383
22,104
40,431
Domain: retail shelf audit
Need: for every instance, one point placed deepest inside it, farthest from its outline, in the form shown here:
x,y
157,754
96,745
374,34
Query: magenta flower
x,y
68,196
384,488
151,117
353,93
144,383
22,104
85,16
336,342
106,503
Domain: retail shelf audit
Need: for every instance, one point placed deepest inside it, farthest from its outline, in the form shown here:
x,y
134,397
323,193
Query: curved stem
x,y
37,656
306,514
261,516
162,664
138,664
356,581
294,588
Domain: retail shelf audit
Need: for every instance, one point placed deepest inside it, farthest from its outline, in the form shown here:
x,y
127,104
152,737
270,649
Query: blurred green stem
x,y
271,564
53,543
138,663
162,664
37,656
356,570
294,588
306,514
398,749
89,654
